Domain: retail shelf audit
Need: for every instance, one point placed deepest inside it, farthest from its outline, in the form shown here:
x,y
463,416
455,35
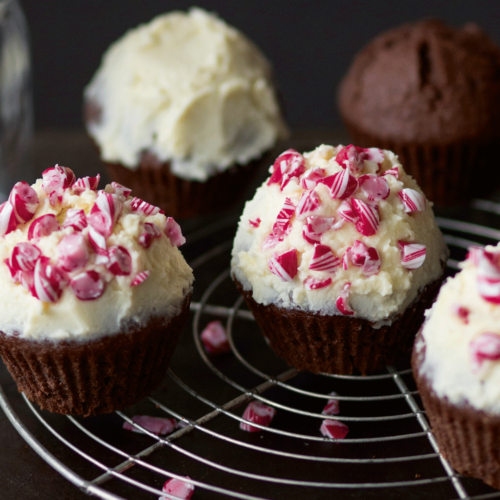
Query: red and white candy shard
x,y
349,157
310,235
257,413
282,224
392,171
315,284
474,254
347,213
86,183
7,218
97,241
309,202
120,262
284,265
343,301
76,219
138,205
174,233
412,255
88,285
412,200
315,227
369,218
288,165
24,257
48,281
156,425
341,185
462,312
214,338
43,226
334,429
178,489
108,208
151,231
73,252
323,259
121,190
55,181
366,257
332,406
24,201
140,278
488,275
271,241
254,222
486,347
489,288
374,187
310,179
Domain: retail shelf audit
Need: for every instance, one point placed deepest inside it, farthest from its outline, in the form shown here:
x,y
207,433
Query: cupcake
x,y
94,293
431,94
337,256
456,364
183,110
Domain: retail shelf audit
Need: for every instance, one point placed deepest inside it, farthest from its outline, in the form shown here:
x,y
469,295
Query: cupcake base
x,y
99,376
339,344
468,438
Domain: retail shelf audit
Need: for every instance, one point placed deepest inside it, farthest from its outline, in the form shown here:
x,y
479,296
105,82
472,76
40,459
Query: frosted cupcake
x,y
94,293
456,363
182,110
338,255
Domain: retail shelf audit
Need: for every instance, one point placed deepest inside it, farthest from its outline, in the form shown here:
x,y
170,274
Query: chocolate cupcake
x,y
431,94
456,364
338,255
183,111
94,293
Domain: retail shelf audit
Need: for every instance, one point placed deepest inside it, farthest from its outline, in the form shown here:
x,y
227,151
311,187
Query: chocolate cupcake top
x,y
339,230
425,82
77,263
187,88
461,335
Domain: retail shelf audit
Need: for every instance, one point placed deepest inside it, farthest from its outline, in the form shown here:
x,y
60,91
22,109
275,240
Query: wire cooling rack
x,y
390,451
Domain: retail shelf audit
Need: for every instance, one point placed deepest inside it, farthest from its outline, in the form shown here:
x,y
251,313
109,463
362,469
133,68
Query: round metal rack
x,y
390,451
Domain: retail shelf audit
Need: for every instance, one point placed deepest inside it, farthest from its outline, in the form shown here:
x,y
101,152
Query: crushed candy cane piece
x,y
284,265
121,190
288,165
120,262
7,218
76,219
412,255
55,181
362,256
334,429
174,232
412,200
332,406
98,242
462,312
151,231
341,185
73,252
156,425
86,183
342,302
347,213
105,212
138,205
349,158
24,201
257,413
315,284
254,222
309,202
48,281
178,489
474,254
392,171
43,226
310,235
485,347
140,278
369,218
214,338
315,227
374,187
24,257
310,179
489,264
282,224
323,259
88,285
271,241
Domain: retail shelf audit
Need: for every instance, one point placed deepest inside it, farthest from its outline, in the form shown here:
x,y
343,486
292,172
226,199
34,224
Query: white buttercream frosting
x,y
161,294
377,298
188,88
448,363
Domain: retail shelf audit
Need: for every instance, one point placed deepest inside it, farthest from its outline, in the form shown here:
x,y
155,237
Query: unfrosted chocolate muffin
x,y
431,94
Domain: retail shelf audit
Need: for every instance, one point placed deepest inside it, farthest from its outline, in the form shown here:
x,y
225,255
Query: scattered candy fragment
x,y
254,222
120,262
48,281
7,218
178,488
174,233
374,187
140,278
76,219
309,202
87,285
97,241
257,413
282,224
284,265
486,347
73,252
332,406
214,338
121,190
392,171
86,183
323,259
311,178
24,201
347,212
288,165
151,231
462,312
362,256
315,284
55,181
156,425
474,254
43,226
412,200
334,429
412,255
369,218
271,241
138,205
24,257
341,185
342,302
315,227
349,158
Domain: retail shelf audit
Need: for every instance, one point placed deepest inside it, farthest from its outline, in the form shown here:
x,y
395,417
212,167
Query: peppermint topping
x,y
309,202
97,241
374,187
392,171
288,165
462,312
315,227
151,231
155,425
282,224
332,406
178,489
140,278
342,302
412,200
311,178
315,284
341,185
55,181
48,281
271,241
120,190
254,222
349,158
105,212
486,347
87,285
257,413
334,429
323,259
174,233
474,254
488,274
24,257
138,205
76,219
347,212
412,255
24,201
43,226
284,265
86,183
362,256
214,338
73,252
120,262
7,218
369,218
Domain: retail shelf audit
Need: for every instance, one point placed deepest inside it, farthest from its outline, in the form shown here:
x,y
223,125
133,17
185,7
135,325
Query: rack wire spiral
x,y
390,451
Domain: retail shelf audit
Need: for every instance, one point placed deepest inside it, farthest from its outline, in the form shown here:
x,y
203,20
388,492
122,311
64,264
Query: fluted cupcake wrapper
x,y
339,344
448,174
468,438
98,376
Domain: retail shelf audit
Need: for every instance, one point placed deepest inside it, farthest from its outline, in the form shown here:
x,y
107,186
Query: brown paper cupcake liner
x,y
468,438
99,376
449,174
339,344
